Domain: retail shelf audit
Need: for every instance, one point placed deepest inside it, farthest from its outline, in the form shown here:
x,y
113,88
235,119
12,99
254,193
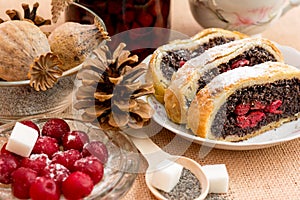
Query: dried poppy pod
x,y
73,42
21,43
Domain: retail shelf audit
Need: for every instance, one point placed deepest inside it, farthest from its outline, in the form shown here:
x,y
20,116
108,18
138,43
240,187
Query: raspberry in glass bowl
x,y
97,165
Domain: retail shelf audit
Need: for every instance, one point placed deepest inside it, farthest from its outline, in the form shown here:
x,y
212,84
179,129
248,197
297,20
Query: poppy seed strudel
x,y
246,102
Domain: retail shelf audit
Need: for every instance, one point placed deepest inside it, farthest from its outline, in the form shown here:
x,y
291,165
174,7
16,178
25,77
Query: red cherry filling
x,y
8,164
75,140
44,188
97,149
250,120
22,178
240,63
181,63
257,105
90,166
249,115
77,186
31,124
66,158
242,109
272,108
55,128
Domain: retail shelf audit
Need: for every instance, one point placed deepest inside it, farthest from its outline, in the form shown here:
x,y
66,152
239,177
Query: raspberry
x,y
46,145
272,108
66,158
44,188
31,124
57,172
255,117
75,140
8,164
4,151
240,63
97,149
55,128
77,186
242,109
36,162
90,166
22,179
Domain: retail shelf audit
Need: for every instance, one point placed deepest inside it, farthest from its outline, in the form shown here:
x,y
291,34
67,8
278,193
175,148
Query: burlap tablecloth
x,y
271,173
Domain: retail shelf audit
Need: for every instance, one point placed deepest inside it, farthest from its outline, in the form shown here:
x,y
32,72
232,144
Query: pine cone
x,y
110,92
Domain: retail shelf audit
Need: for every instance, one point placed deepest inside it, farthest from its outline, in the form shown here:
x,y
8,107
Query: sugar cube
x,y
22,140
166,176
218,178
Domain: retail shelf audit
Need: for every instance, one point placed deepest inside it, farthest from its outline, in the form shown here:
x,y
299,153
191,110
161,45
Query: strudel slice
x,y
246,101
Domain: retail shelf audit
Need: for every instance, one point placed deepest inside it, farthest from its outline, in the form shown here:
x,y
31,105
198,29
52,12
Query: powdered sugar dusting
x,y
40,156
71,137
267,70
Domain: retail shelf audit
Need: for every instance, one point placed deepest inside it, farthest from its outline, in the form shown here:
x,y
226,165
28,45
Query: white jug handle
x,y
290,5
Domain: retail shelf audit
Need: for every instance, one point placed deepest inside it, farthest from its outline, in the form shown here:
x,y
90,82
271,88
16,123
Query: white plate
x,y
286,132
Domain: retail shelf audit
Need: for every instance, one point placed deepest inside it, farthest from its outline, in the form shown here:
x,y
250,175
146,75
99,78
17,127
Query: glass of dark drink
x,y
142,24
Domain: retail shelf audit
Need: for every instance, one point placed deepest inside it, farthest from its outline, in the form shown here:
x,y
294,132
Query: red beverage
x,y
151,17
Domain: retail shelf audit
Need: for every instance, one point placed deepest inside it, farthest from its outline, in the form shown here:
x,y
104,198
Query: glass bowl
x,y
17,98
120,170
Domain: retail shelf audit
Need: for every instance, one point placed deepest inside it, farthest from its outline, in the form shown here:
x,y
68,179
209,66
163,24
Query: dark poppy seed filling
x,y
173,60
250,108
254,56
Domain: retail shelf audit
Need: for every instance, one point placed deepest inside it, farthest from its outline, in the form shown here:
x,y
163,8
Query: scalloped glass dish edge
x,y
286,132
